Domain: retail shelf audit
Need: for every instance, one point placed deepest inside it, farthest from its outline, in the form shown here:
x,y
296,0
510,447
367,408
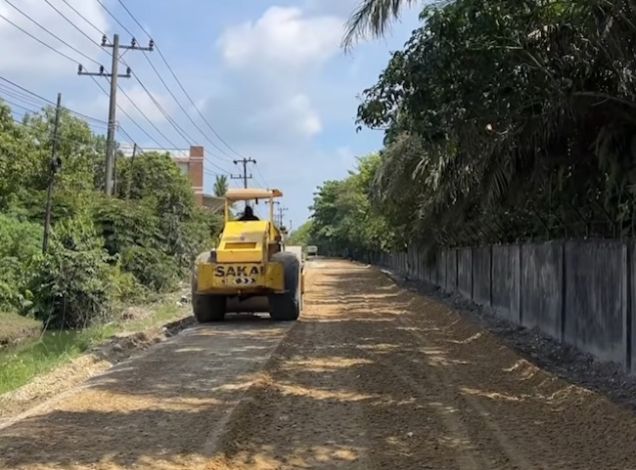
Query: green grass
x,y
21,364
14,328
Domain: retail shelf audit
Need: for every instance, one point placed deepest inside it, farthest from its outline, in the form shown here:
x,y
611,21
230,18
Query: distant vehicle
x,y
312,251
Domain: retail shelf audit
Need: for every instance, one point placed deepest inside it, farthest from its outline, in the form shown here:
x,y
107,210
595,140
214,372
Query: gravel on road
x,y
373,376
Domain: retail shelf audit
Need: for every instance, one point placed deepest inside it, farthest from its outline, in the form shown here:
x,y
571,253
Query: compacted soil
x,y
372,376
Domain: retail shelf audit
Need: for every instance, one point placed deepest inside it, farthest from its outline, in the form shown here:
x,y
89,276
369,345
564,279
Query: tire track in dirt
x,y
375,376
163,409
372,377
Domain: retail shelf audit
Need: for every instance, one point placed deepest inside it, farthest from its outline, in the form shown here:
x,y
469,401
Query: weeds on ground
x,y
21,364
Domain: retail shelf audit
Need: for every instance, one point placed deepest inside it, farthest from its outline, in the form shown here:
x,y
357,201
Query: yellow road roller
x,y
249,271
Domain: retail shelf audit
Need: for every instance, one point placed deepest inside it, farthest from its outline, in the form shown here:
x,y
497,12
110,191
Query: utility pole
x,y
281,215
244,176
132,168
55,165
112,108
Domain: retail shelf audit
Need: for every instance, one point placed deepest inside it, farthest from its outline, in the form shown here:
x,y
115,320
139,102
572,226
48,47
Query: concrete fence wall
x,y
578,292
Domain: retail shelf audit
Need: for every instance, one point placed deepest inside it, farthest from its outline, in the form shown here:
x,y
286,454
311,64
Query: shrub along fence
x,y
578,292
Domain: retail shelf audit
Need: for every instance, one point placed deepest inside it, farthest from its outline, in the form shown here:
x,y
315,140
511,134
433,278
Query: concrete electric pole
x,y
244,176
281,216
54,166
112,108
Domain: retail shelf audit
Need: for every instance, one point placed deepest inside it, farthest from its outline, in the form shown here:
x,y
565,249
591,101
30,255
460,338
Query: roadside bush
x,y
20,244
152,268
126,288
72,284
123,224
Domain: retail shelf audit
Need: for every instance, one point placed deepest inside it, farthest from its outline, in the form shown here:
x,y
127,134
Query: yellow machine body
x,y
241,278
241,264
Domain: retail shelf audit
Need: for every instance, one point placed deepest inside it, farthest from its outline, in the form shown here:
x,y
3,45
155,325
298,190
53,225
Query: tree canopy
x,y
344,220
220,185
103,250
508,120
503,120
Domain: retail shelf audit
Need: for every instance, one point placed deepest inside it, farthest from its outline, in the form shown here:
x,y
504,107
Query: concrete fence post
x,y
542,284
464,273
472,273
629,310
595,298
505,282
521,286
482,275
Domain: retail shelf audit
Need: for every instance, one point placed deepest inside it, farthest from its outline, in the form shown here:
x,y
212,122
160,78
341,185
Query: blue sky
x,y
269,75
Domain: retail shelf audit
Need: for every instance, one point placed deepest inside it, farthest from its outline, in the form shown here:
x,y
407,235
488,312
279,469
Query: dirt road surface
x,y
372,377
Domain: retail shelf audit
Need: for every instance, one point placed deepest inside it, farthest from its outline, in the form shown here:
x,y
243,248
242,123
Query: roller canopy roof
x,y
240,194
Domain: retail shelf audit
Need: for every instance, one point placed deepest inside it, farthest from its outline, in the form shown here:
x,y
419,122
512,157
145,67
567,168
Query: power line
x,y
215,165
179,130
129,136
102,33
112,97
84,55
176,78
172,122
196,108
34,111
174,149
106,93
137,125
123,111
216,146
40,97
145,116
38,39
261,177
43,28
19,96
175,125
115,18
133,17
17,105
72,23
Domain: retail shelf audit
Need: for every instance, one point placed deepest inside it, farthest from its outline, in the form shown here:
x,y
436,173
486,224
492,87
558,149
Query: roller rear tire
x,y
207,308
286,307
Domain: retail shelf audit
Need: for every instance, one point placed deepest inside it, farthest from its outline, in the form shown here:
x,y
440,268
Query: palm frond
x,y
372,17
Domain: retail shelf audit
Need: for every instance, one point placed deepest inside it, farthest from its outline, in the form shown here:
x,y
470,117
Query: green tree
x,y
174,225
302,235
220,185
344,220
372,17
503,127
102,249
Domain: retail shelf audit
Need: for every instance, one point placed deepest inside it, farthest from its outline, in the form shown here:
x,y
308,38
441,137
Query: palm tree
x,y
220,185
372,17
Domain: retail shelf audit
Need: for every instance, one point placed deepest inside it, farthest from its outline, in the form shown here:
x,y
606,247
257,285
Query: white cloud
x,y
145,103
24,55
346,156
269,66
343,8
304,118
284,37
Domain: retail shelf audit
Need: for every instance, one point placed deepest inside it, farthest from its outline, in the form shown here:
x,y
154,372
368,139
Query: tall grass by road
x,y
22,363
